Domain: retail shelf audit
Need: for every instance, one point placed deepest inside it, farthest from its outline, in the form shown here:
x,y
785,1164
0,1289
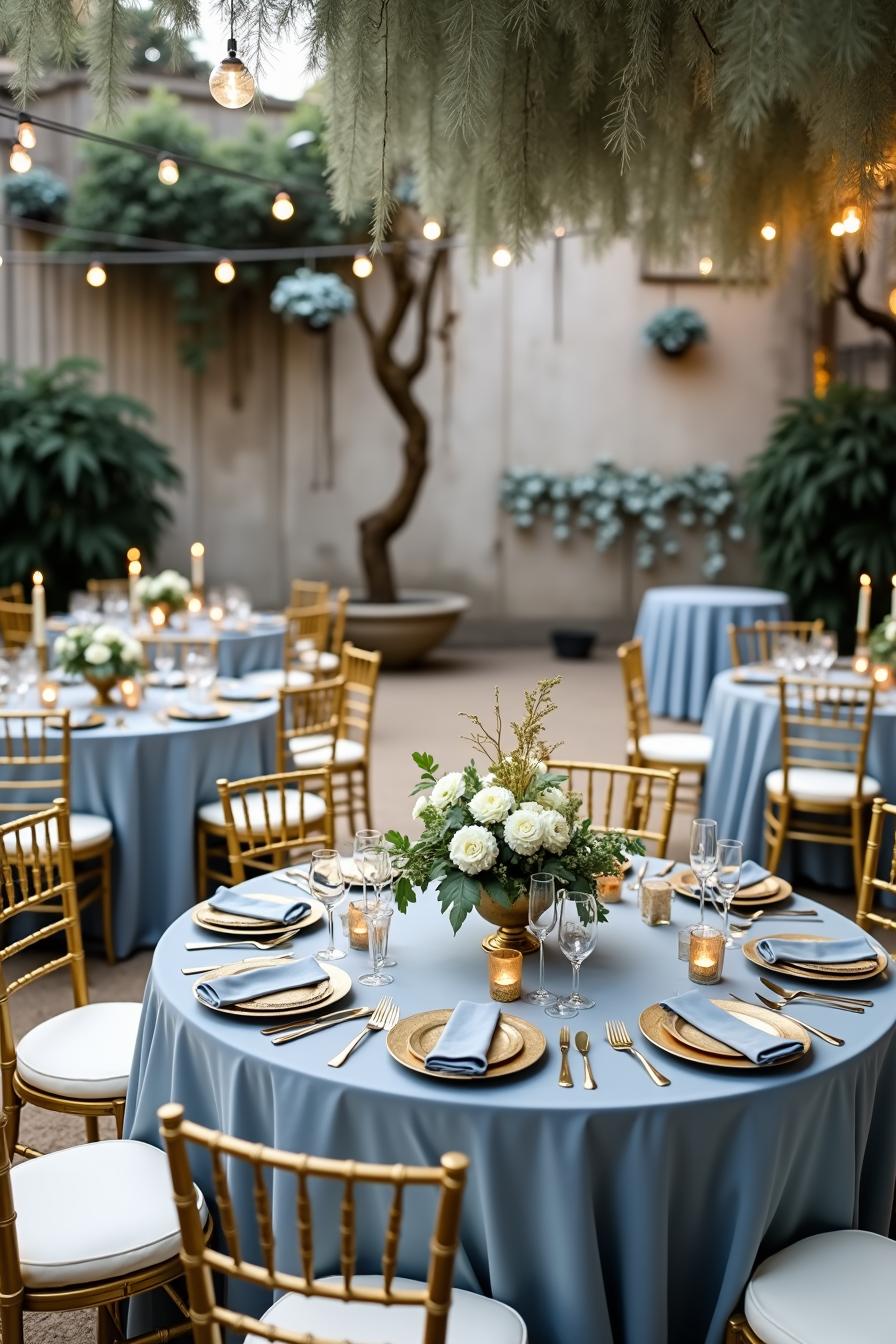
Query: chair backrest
x,y
882,814
15,623
35,759
271,819
337,625
637,708
308,593
628,798
12,592
825,726
755,643
361,673
306,636
108,587
266,1168
180,646
307,711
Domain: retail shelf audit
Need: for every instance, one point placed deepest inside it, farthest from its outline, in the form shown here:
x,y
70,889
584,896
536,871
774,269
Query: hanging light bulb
x,y
362,266
19,158
230,83
704,265
560,231
283,207
168,172
27,133
96,275
852,219
838,228
225,271
502,256
769,232
432,230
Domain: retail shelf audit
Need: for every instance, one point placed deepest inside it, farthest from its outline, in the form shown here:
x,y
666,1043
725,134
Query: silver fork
x,y
385,1015
303,884
813,996
237,967
771,914
806,1026
243,942
617,1035
636,884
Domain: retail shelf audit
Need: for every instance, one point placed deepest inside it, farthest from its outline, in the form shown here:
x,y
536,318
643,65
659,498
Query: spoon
x,y
583,1045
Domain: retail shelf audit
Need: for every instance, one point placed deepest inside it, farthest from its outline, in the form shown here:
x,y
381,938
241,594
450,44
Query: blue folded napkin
x,y
197,709
268,911
233,989
463,1045
751,873
839,951
721,1026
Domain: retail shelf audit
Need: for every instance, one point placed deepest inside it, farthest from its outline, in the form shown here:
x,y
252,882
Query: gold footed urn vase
x,y
512,932
103,687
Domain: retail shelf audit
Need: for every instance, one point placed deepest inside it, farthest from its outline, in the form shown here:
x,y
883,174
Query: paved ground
x,y
418,711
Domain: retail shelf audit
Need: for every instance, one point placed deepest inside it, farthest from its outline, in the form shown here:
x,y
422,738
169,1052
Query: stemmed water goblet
x,y
577,922
727,880
704,854
365,839
376,863
328,885
542,918
378,921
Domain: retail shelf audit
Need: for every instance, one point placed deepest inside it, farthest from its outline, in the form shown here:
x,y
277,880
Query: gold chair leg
x,y
12,1325
106,905
857,827
118,1116
108,1330
92,1127
775,847
201,862
365,794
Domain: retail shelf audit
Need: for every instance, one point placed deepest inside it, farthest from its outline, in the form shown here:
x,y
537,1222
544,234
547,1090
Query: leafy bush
x,y
79,480
822,496
313,297
38,194
675,330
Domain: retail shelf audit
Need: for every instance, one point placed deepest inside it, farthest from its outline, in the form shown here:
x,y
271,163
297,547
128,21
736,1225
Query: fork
x,y
302,885
636,884
317,1024
806,1026
237,967
811,996
565,1075
385,1015
740,929
617,1035
243,942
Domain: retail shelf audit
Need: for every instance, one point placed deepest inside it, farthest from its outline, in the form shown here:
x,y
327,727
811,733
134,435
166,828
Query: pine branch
x,y
108,56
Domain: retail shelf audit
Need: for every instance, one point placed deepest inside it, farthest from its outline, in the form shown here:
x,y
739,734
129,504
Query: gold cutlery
x,y
334,1020
583,1045
806,1026
636,885
242,942
565,1075
236,967
385,1015
830,1000
618,1037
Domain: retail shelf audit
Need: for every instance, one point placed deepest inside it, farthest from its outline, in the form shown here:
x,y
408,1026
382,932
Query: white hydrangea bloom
x,y
491,804
523,831
555,831
447,790
132,649
473,849
97,653
553,798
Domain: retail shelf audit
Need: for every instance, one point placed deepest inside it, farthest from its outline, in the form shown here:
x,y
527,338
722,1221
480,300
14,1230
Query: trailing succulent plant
x,y
313,297
675,330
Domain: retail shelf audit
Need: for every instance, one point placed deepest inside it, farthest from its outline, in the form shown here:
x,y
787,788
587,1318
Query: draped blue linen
x,y
628,1215
744,724
685,637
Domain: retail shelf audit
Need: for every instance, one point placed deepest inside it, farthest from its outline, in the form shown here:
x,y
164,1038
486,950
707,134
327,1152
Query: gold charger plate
x,y
221,921
507,1041
175,712
80,725
286,1002
814,970
398,1045
655,1023
770,891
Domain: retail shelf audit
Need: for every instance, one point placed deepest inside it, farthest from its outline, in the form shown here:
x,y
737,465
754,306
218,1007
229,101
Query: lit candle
x,y
861,664
197,566
357,926
130,693
134,568
505,974
156,617
609,888
194,605
49,694
893,596
706,955
863,616
883,678
216,614
38,611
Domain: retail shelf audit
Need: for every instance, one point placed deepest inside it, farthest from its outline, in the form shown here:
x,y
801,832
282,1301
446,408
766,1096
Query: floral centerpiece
x,y
484,835
882,645
168,591
101,654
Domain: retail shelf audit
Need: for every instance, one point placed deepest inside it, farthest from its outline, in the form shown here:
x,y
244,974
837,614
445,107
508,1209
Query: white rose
x,y
531,807
447,790
132,649
555,830
491,804
62,648
523,831
97,653
890,630
554,798
422,801
107,634
473,849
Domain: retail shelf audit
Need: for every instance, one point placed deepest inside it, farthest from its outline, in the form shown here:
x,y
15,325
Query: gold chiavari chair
x,y
264,823
76,1062
337,627
12,592
15,623
346,1306
108,587
755,643
881,811
686,752
304,646
308,593
630,798
824,746
35,768
181,646
308,716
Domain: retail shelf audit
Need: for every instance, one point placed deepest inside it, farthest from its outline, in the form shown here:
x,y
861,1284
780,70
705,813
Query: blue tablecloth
x,y
247,646
629,1215
685,637
744,724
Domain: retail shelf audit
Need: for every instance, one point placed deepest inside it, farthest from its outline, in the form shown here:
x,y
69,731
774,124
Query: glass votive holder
x,y
707,955
216,613
194,605
356,921
609,888
49,694
505,974
684,942
131,692
655,900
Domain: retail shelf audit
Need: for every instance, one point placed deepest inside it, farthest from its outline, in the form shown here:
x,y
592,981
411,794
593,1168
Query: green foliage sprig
x,y
882,643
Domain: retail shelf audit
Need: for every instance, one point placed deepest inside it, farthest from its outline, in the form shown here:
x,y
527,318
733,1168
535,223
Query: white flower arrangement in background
x,y
100,651
168,589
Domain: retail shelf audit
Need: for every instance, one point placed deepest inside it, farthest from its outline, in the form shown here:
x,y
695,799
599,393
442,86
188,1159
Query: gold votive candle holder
x,y
609,887
655,900
216,614
49,694
706,955
131,692
357,926
505,974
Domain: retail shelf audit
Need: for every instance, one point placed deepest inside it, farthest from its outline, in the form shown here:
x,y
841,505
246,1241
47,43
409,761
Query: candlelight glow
x,y
197,548
37,578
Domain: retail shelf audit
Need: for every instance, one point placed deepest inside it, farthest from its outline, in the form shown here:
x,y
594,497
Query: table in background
x,y
254,645
685,636
629,1215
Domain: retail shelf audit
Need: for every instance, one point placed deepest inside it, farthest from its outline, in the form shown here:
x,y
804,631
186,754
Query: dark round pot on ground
x,y
405,631
573,643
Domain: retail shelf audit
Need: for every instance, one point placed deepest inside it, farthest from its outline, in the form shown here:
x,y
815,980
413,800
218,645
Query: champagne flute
x,y
377,863
542,918
328,885
578,937
703,854
731,858
378,919
364,840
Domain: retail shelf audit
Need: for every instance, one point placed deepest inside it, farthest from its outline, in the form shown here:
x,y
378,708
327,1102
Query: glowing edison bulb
x,y
27,133
225,271
96,275
768,232
838,228
502,256
704,265
432,230
362,266
133,553
282,207
560,231
230,83
852,219
168,172
19,158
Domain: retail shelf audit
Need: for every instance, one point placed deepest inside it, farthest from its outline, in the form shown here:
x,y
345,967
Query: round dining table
x,y
684,632
253,644
631,1214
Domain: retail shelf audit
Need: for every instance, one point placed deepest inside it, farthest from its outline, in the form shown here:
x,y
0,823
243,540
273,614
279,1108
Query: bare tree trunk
x,y
396,377
877,318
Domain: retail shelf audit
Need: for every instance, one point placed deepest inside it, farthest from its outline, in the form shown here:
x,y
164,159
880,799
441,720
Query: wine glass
x,y
731,858
578,936
328,885
542,918
163,661
364,840
827,642
703,853
376,863
378,920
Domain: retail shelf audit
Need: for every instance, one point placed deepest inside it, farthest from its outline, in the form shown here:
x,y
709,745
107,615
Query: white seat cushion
x,y
471,1320
324,661
275,677
821,786
675,748
84,1053
315,808
94,1212
86,831
317,749
828,1289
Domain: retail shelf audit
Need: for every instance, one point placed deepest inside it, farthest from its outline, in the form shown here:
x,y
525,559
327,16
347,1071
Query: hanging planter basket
x,y
674,330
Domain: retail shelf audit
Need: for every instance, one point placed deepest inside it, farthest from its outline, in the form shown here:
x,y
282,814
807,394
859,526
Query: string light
x,y
19,158
704,265
838,228
891,302
96,275
133,553
432,230
362,266
852,219
231,83
769,232
502,256
283,207
560,231
27,133
168,172
225,271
